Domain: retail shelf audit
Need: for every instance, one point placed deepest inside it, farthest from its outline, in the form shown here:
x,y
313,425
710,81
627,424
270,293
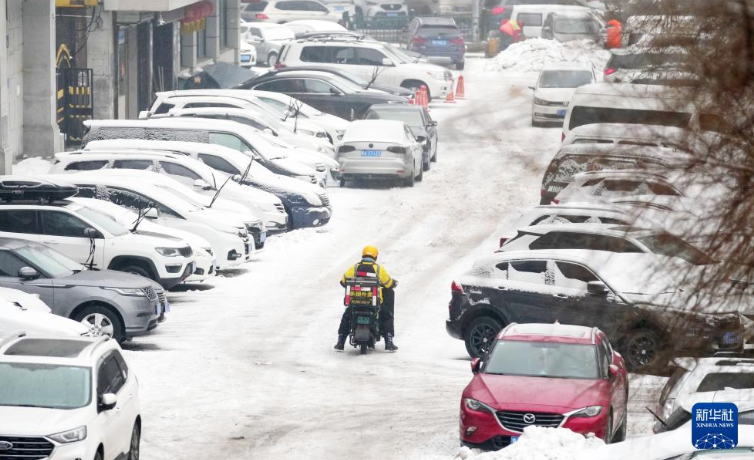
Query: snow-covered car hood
x,y
39,421
26,300
554,94
104,279
286,184
219,219
572,37
146,241
15,319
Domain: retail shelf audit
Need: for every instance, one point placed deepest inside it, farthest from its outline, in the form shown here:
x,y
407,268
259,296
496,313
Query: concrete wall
x,y
101,58
13,83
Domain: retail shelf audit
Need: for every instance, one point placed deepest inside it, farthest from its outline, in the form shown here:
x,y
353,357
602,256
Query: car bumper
x,y
310,216
453,328
205,267
182,271
549,113
139,314
370,168
74,450
455,55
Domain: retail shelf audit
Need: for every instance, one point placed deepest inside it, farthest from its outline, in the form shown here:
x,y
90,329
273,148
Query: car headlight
x,y
169,252
473,404
340,133
668,409
437,75
539,101
591,411
133,292
76,434
208,250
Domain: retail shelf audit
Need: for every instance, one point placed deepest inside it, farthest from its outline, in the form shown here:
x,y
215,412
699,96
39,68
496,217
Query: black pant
x,y
387,315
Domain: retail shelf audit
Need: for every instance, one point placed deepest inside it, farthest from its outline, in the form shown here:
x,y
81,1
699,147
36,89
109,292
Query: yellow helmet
x,y
370,251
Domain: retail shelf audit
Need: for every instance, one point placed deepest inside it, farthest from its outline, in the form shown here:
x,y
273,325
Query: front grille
x,y
280,207
382,14
186,252
498,442
517,421
391,6
325,200
552,103
149,292
26,448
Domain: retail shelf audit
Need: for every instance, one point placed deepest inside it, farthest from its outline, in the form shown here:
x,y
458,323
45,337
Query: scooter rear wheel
x,y
363,348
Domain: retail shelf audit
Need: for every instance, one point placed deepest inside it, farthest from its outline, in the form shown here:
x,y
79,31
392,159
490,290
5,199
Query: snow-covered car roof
x,y
548,331
567,65
742,398
376,131
627,90
661,154
602,229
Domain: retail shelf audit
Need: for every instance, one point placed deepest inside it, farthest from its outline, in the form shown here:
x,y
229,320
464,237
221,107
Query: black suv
x,y
636,298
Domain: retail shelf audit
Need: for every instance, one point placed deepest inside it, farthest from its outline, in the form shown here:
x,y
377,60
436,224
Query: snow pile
x,y
32,166
539,443
533,54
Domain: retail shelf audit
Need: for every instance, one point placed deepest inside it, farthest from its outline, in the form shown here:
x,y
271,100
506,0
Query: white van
x,y
533,16
635,104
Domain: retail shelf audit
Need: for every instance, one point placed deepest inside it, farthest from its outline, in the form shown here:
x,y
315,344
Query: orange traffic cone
x,y
450,98
424,97
460,90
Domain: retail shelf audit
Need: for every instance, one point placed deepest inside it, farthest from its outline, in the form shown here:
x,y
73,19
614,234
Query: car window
x,y
344,55
573,276
255,6
218,163
528,271
661,189
133,164
530,19
135,201
109,377
175,169
319,87
317,54
18,221
288,85
314,6
10,264
582,115
228,140
289,6
121,363
211,105
59,223
369,56
246,121
672,246
604,360
620,185
723,380
86,165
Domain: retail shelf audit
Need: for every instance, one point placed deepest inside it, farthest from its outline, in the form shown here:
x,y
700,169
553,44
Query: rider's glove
x,y
395,284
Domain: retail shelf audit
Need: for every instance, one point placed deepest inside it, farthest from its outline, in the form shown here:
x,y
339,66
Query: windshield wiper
x,y
657,417
142,213
375,73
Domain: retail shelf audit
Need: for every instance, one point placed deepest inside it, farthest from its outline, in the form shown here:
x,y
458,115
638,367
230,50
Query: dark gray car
x,y
111,303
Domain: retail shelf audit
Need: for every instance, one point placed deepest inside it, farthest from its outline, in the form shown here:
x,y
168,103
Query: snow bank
x,y
32,166
533,54
539,443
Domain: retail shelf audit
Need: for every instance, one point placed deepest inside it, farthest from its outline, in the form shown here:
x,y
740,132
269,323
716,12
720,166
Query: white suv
x,y
361,58
67,399
375,10
94,239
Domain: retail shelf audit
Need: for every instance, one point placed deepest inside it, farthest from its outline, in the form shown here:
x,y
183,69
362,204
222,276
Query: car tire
x,y
644,351
434,158
410,180
426,166
133,451
460,65
97,456
420,177
103,320
343,183
620,435
480,334
136,270
609,428
272,59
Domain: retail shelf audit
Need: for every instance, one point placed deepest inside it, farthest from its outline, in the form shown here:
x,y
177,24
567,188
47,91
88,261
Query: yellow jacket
x,y
385,280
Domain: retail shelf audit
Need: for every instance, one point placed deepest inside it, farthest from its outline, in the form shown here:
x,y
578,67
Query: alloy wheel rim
x,y
642,350
98,324
481,336
135,445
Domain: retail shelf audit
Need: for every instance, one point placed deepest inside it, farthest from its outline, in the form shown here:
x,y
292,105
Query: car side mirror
x,y
421,139
107,402
387,62
476,364
433,123
334,92
91,233
597,288
151,214
202,184
27,273
613,370
531,88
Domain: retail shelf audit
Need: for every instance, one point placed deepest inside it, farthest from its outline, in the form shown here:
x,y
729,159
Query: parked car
x,y
615,292
418,119
628,64
388,13
302,27
116,304
267,39
90,237
227,234
743,399
282,11
546,375
324,91
554,88
703,375
365,84
307,205
578,158
437,36
365,58
533,16
67,398
566,26
380,149
14,318
247,54
256,204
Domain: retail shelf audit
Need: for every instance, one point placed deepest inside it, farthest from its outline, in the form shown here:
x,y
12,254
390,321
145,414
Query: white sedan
x,y
16,318
380,149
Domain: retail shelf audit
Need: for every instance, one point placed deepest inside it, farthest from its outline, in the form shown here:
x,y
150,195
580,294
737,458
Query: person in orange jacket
x,y
614,32
512,31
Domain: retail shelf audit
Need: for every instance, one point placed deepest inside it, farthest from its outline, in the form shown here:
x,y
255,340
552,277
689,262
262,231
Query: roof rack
x,y
11,337
14,188
98,341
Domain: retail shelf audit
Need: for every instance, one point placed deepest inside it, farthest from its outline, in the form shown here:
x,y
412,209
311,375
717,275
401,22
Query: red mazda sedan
x,y
548,375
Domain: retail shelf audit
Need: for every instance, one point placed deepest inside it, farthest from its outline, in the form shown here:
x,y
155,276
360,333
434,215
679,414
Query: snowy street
x,y
244,367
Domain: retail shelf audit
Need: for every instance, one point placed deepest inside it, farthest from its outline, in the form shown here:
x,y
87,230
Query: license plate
x,y
392,15
338,8
561,113
245,58
262,237
730,338
363,320
157,308
371,153
440,42
514,439
167,307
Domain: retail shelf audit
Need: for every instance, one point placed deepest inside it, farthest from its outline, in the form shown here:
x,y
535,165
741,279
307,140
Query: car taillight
x,y
502,241
419,39
555,201
455,287
457,40
562,137
609,71
346,148
279,65
396,149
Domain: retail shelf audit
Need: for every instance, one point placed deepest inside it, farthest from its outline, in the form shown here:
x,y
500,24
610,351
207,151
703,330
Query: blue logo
x,y
714,426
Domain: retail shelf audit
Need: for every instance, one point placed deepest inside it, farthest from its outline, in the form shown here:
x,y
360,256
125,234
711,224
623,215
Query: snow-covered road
x,y
244,368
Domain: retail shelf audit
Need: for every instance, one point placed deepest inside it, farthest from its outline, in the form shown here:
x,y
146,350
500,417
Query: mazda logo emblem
x,y
5,445
529,419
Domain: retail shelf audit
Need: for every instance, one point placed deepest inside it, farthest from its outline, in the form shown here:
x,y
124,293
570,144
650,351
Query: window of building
x,y
201,43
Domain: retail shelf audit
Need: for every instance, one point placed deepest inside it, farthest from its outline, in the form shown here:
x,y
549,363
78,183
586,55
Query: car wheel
x,y
97,456
420,177
620,435
609,428
410,180
434,157
272,59
133,452
101,320
415,85
343,183
136,270
643,350
426,165
460,65
479,336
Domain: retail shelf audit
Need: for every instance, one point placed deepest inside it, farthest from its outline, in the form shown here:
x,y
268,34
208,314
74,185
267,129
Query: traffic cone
x,y
460,90
450,98
424,97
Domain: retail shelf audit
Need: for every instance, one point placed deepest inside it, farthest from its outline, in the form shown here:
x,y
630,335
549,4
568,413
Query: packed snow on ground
x,y
32,166
533,54
539,443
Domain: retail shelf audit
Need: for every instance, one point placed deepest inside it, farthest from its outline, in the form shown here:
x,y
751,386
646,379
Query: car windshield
x,y
564,78
726,380
543,359
49,260
575,26
672,246
103,220
188,198
410,117
676,420
399,55
44,385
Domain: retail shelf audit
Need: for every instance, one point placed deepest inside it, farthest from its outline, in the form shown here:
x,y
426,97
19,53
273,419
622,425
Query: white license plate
x,y
262,237
561,113
392,15
514,439
245,58
440,42
338,8
371,153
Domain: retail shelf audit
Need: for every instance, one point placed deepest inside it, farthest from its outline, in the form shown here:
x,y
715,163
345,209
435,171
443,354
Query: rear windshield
x,y
255,7
575,26
721,381
581,116
642,61
672,246
564,78
439,30
574,164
